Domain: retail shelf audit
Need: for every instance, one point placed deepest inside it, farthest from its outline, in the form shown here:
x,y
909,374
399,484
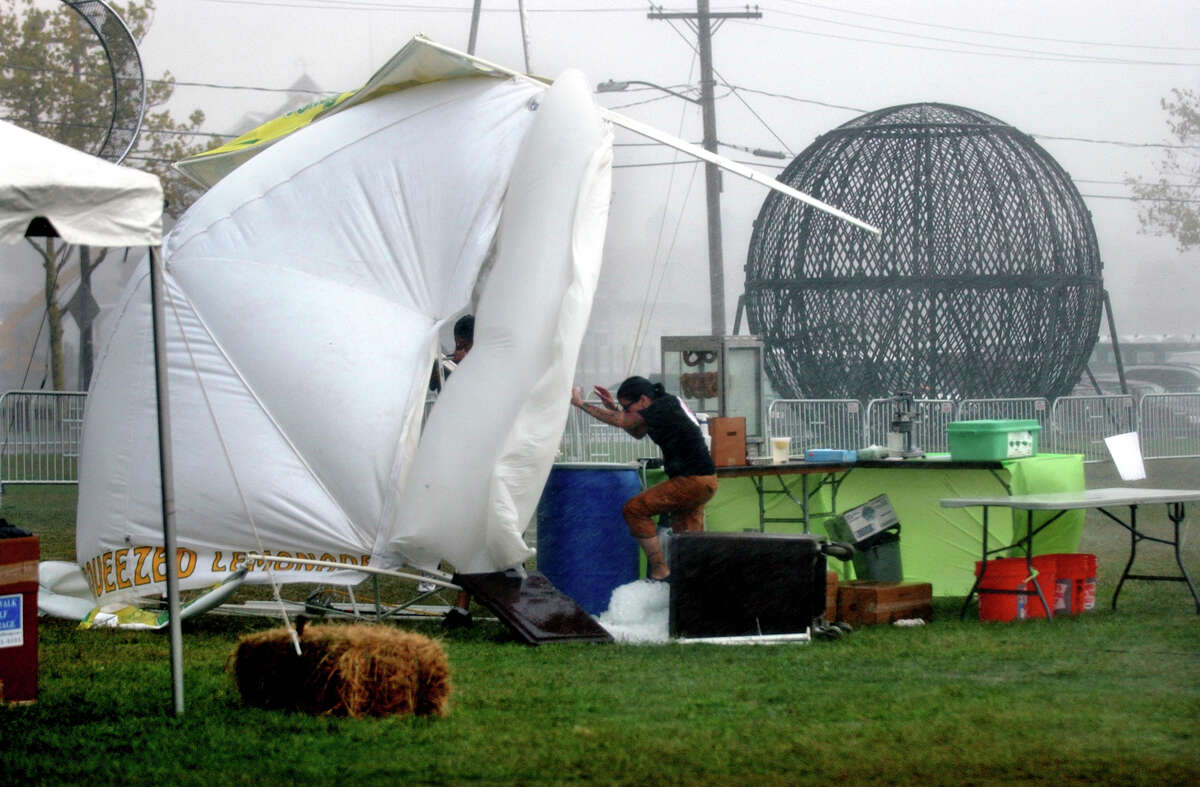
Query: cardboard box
x,y
831,596
874,516
728,441
865,603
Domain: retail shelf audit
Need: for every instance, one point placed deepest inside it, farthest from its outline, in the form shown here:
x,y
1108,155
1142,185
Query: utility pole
x,y
701,23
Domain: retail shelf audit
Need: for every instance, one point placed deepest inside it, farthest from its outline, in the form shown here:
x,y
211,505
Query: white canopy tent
x,y
86,199
47,188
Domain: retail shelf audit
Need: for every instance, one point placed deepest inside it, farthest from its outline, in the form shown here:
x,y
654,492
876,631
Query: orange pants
x,y
683,497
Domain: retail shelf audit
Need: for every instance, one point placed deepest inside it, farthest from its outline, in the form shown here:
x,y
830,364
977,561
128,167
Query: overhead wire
x,y
1036,52
648,304
840,10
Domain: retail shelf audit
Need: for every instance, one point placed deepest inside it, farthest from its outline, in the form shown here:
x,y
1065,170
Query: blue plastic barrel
x,y
584,547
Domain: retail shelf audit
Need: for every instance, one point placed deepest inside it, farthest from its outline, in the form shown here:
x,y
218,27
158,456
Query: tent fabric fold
x,y
305,292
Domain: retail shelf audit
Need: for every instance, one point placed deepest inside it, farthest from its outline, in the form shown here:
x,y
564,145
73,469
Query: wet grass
x,y
1108,697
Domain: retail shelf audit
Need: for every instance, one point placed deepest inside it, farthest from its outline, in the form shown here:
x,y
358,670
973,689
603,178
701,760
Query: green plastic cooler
x,y
991,441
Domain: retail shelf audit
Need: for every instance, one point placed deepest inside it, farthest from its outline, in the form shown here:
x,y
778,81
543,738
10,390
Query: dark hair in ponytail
x,y
636,387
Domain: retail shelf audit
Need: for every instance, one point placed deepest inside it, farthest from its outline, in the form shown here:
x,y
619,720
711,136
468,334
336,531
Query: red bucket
x,y
1075,583
1011,573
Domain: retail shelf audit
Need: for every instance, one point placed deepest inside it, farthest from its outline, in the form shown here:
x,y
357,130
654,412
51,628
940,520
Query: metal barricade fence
x,y
39,436
1031,408
1169,425
929,427
1079,424
817,423
586,439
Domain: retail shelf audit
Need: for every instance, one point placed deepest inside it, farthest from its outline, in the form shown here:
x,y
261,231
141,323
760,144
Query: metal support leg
x,y
1037,586
1175,513
1134,538
962,613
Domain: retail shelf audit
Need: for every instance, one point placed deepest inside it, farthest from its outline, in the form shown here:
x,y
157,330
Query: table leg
x,y
1175,513
962,613
1133,542
1037,586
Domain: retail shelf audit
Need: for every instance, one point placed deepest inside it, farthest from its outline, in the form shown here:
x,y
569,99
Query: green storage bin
x,y
989,441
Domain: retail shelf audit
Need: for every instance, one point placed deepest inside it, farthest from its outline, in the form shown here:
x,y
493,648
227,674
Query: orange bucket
x,y
1075,583
1010,574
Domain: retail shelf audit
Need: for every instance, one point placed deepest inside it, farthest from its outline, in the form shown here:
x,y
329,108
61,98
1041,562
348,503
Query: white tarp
x,y
500,417
87,199
304,295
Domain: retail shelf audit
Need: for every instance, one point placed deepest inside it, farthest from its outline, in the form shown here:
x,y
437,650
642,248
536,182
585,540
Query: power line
x,y
365,5
1058,59
95,127
990,32
1118,142
1082,58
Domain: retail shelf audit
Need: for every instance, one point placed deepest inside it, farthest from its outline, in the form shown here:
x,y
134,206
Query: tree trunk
x,y
84,317
53,315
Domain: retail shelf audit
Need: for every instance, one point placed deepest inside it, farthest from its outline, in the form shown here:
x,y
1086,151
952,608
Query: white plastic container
x,y
781,450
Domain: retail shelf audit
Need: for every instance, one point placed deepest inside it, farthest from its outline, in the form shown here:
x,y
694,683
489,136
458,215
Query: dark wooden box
x,y
864,603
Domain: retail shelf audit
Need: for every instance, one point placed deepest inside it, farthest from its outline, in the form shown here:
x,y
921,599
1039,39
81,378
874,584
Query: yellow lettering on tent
x,y
141,572
159,564
185,568
119,560
106,562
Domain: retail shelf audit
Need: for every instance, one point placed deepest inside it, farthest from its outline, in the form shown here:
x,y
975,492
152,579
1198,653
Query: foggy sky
x,y
791,52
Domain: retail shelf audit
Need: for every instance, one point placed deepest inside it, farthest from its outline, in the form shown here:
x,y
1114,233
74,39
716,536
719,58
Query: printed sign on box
x,y
873,516
12,629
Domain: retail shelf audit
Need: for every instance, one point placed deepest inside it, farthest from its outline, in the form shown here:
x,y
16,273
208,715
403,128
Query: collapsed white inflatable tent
x,y
305,292
304,295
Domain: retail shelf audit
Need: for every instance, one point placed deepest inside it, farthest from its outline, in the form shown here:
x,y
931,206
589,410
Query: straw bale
x,y
344,670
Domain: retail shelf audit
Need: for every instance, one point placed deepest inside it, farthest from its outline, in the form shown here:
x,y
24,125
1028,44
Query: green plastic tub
x,y
989,441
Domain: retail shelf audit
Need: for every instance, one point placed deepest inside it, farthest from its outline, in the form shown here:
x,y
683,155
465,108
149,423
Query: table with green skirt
x,y
937,545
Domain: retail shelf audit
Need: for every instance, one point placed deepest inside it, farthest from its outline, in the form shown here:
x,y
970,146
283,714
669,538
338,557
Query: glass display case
x,y
718,375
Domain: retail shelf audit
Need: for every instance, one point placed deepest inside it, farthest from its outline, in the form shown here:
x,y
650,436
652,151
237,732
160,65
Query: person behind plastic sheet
x,y
644,408
464,340
459,615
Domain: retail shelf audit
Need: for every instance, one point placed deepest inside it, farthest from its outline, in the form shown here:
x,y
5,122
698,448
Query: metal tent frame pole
x,y
167,475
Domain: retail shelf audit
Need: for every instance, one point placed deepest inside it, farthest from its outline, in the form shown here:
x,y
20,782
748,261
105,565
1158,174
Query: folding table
x,y
1099,499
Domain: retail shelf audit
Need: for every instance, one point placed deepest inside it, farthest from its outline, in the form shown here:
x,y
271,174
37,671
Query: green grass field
x,y
1109,697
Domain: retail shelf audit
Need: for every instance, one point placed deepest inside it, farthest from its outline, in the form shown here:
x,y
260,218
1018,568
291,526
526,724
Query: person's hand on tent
x,y
606,397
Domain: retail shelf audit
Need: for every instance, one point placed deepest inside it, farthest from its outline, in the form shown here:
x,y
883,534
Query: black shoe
x,y
457,619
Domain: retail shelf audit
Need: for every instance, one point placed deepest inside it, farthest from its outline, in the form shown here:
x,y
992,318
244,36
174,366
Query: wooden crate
x,y
865,603
831,596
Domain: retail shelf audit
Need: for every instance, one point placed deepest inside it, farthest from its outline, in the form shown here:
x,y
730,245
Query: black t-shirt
x,y
678,437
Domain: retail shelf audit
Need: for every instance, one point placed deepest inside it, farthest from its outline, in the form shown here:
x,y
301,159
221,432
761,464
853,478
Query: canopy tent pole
x,y
695,151
166,474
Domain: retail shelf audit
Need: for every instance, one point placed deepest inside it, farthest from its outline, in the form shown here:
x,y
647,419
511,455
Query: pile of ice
x,y
637,612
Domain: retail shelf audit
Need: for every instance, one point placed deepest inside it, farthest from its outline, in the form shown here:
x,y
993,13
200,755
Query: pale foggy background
x,y
1085,79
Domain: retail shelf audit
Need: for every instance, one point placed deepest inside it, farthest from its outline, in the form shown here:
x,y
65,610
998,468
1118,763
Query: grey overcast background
x,y
1085,78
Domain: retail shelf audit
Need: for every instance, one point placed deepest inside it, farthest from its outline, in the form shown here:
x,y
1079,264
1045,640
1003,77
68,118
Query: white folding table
x,y
1099,499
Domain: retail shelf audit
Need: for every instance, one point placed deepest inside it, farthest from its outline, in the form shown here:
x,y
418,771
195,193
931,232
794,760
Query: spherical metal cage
x,y
986,281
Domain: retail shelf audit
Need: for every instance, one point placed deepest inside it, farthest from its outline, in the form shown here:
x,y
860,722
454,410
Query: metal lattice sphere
x,y
985,283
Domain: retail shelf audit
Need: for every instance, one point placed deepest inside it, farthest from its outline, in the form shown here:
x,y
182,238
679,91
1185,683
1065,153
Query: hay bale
x,y
344,670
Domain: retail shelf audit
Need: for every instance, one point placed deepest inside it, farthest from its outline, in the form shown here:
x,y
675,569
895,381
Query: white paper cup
x,y
781,450
1126,453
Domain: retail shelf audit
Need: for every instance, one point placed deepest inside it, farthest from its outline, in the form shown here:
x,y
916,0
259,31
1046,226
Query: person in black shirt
x,y
643,408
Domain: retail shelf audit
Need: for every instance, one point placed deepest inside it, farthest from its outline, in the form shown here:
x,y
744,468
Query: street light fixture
x,y
612,86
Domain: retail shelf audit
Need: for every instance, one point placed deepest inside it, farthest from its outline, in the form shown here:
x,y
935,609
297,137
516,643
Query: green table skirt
x,y
937,545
